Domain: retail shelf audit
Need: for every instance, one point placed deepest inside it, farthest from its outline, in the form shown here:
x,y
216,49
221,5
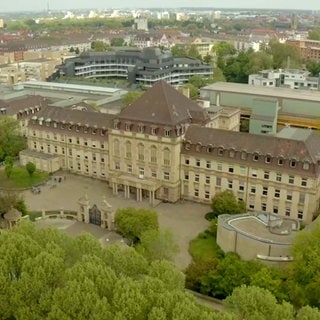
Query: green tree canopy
x,y
132,222
11,142
12,199
45,274
31,168
131,97
117,42
225,202
99,46
314,34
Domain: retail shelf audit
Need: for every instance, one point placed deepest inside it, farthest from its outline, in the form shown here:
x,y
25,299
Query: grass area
x,y
204,246
34,214
21,179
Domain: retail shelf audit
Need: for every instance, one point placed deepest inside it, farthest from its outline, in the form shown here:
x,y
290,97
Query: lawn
x,y
204,246
21,179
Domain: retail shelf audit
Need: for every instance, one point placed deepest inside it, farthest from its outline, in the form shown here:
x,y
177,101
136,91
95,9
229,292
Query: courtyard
x,y
185,219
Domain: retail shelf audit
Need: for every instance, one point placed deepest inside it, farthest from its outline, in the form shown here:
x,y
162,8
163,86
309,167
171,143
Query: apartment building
x,y
308,49
165,146
144,67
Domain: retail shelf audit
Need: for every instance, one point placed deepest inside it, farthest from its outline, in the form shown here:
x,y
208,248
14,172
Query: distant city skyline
x,y
42,5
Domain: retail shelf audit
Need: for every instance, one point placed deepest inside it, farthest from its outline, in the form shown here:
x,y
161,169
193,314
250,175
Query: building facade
x,y
144,67
165,146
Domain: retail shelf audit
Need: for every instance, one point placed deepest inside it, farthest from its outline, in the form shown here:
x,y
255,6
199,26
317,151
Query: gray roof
x,y
274,92
162,104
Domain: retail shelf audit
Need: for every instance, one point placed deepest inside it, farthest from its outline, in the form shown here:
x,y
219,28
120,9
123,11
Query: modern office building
x,y
165,146
144,67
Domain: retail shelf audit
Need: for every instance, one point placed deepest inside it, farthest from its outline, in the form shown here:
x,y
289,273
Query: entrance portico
x,y
140,186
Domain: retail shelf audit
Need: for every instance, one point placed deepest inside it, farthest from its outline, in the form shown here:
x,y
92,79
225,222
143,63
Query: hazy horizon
x,y
42,5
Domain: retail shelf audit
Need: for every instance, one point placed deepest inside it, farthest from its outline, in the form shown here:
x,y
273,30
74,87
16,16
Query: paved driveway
x,y
185,219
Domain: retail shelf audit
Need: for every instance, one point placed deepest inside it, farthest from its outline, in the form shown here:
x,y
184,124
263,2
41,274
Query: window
x,y
129,168
289,196
141,128
166,175
253,189
251,206
280,161
267,159
153,173
207,194
265,191
241,186
278,177
304,182
102,146
208,164
140,152
167,133
306,166
196,178
128,127
231,169
230,184
275,209
302,198
300,214
263,206
219,166
277,193
186,175
55,149
116,147
266,175
291,179
255,157
196,192
70,140
231,153
186,161
128,149
288,211
207,180
218,181
153,131
254,173
153,154
117,165
198,162
242,170
293,163
63,152
220,151
70,152
243,155
141,172
166,157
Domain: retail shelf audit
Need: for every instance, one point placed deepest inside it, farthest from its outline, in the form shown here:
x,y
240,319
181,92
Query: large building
x,y
144,67
308,49
165,146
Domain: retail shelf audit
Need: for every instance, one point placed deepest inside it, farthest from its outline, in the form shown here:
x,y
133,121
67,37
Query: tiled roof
x,y
307,150
89,118
162,104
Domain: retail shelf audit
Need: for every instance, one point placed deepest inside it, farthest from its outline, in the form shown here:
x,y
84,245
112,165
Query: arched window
x,y
128,149
140,152
116,148
153,154
166,157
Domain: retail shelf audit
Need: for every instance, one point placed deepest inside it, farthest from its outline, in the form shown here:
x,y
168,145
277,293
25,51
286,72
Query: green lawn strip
x,y
204,246
20,178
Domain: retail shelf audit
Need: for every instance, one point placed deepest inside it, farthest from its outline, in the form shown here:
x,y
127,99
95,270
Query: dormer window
x,y
210,149
255,157
220,151
167,132
154,131
198,147
306,165
94,130
232,153
85,129
116,124
293,163
243,155
187,146
128,127
280,161
267,159
141,128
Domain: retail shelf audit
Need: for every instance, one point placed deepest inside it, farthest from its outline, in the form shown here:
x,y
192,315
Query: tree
x,y
11,142
158,245
45,274
12,199
193,91
99,46
223,50
217,76
225,202
253,303
308,313
131,97
305,266
132,222
198,81
314,68
117,42
314,34
178,51
31,168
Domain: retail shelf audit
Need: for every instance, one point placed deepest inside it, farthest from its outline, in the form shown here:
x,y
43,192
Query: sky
x,y
41,5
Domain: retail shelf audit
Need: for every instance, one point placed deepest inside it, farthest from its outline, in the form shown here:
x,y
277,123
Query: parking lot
x,y
185,219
